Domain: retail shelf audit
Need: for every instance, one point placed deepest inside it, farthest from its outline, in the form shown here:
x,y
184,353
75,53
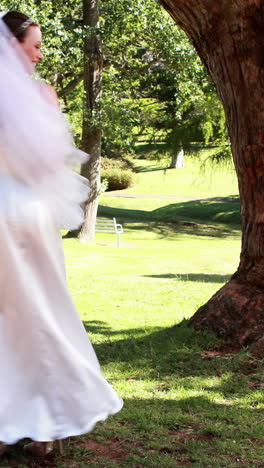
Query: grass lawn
x,y
196,180
189,400
193,194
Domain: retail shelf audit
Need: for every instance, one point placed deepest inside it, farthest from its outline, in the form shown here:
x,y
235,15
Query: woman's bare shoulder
x,y
49,93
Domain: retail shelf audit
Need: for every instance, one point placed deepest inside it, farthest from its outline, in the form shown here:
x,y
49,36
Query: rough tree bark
x,y
91,134
229,38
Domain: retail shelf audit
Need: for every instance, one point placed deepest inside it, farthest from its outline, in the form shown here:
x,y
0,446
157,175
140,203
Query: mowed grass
x,y
188,399
196,193
198,179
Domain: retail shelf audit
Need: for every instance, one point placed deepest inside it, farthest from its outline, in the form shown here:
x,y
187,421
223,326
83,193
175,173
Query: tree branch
x,y
71,86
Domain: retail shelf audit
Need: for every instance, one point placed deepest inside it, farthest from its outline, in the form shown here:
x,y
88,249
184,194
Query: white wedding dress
x,y
51,383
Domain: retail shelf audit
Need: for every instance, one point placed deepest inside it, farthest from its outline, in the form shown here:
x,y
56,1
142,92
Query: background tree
x,y
91,133
155,86
229,38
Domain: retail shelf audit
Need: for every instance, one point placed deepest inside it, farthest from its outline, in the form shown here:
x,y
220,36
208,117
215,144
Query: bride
x,y
51,383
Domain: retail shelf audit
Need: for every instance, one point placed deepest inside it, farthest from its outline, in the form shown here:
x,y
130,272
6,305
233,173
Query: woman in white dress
x,y
51,383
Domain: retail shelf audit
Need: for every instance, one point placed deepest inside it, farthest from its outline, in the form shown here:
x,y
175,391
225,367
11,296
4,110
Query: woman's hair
x,y
18,23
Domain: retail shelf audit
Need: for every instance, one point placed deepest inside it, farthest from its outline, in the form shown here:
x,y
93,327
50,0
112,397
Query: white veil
x,y
36,146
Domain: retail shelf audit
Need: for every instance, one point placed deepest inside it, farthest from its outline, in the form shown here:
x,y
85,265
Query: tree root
x,y
235,313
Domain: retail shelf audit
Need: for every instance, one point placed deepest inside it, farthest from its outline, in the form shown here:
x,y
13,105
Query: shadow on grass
x,y
180,228
198,412
153,168
165,230
102,328
179,357
223,213
199,277
224,210
137,220
157,352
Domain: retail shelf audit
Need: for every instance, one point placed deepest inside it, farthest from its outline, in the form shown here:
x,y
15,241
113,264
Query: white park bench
x,y
110,226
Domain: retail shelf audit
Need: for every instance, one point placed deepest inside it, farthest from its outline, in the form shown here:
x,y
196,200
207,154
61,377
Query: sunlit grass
x,y
196,180
194,194
182,405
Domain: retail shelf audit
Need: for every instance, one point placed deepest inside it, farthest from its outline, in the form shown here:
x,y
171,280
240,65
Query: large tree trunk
x,y
91,135
229,37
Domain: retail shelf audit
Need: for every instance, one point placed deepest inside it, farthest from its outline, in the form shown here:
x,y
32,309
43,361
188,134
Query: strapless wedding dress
x,y
51,383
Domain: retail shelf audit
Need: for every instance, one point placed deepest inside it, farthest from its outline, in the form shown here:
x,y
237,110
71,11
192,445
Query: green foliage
x,y
117,179
118,120
114,163
154,85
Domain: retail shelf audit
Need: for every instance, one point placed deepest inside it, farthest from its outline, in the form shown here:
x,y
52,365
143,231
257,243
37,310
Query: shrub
x,y
117,179
114,163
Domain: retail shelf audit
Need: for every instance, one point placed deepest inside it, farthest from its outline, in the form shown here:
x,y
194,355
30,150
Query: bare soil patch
x,y
111,449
